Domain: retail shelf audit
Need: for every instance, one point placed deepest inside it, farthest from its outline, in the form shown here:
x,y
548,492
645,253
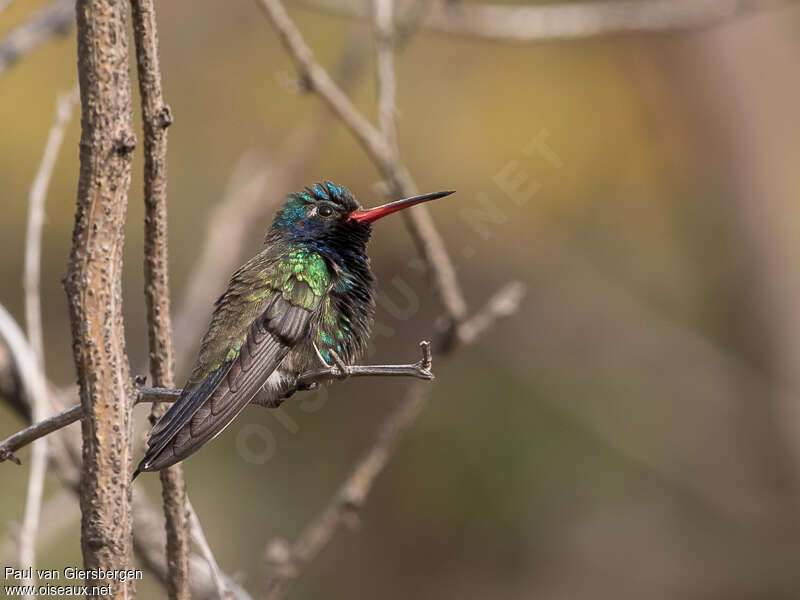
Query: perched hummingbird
x,y
308,292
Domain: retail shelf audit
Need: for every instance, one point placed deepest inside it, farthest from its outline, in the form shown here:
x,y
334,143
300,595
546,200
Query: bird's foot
x,y
341,369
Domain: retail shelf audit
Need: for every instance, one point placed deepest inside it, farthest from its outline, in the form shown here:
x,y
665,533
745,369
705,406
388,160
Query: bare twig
x,y
38,430
36,391
562,20
504,303
425,235
156,117
33,239
199,537
420,370
289,560
149,536
43,25
59,511
387,85
33,315
94,289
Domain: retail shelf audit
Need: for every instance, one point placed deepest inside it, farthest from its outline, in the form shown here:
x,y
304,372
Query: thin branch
x,y
94,290
420,370
381,146
288,561
156,117
425,235
321,83
38,430
562,21
33,314
35,388
504,303
59,511
199,537
387,84
33,239
43,25
339,371
148,535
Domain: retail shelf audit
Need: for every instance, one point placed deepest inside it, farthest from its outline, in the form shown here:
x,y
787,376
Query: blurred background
x,y
634,431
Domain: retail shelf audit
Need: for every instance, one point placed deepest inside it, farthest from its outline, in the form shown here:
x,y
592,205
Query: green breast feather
x,y
301,276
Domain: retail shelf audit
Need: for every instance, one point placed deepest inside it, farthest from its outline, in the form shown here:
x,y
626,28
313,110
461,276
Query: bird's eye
x,y
324,210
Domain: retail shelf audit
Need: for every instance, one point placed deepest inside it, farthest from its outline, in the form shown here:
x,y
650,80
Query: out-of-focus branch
x,y
43,25
199,537
387,84
33,239
503,304
381,147
35,388
148,535
425,235
289,560
561,20
148,539
59,511
156,117
33,315
94,290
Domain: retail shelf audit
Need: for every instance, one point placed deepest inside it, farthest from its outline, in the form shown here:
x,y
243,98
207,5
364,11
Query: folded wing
x,y
204,411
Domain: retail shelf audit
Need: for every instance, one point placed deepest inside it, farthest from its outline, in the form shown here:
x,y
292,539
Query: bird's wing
x,y
206,408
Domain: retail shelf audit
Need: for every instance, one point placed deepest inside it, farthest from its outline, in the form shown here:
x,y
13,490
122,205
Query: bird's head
x,y
328,216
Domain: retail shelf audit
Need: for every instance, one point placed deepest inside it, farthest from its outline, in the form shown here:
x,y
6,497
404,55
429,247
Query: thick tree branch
x,y
43,25
94,289
560,20
156,117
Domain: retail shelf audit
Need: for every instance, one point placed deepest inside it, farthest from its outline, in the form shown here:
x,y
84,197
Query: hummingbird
x,y
306,297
